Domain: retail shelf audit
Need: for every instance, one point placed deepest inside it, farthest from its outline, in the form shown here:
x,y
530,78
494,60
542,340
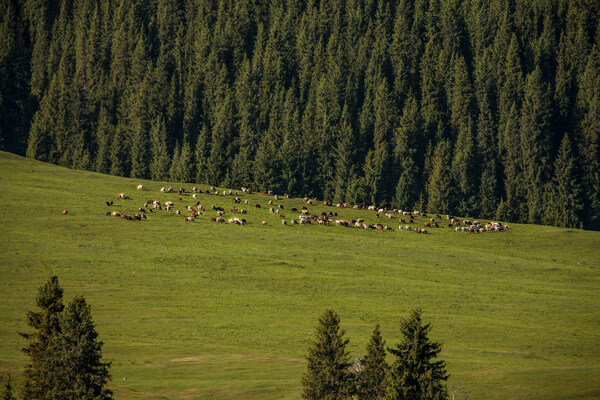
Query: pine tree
x,y
563,198
345,154
463,172
415,375
408,136
440,186
327,375
159,166
372,379
119,163
41,378
535,142
82,372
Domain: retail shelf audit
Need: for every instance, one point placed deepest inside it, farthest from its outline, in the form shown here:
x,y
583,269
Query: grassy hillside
x,y
207,310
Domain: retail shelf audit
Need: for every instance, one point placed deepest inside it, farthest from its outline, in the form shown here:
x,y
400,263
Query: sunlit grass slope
x,y
218,311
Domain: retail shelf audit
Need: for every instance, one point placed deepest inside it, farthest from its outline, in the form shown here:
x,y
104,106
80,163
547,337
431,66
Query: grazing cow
x,y
294,222
140,187
178,212
243,211
284,222
246,202
219,213
194,196
281,216
212,188
379,227
264,223
400,227
293,209
234,210
276,197
389,228
426,224
64,212
162,190
109,203
257,205
194,189
170,189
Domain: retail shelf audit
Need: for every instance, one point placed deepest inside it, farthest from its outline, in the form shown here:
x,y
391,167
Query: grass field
x,y
218,311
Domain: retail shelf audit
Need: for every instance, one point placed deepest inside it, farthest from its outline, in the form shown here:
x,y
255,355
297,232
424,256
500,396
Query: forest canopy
x,y
486,108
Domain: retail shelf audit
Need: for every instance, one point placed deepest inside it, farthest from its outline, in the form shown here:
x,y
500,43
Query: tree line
x,y
485,108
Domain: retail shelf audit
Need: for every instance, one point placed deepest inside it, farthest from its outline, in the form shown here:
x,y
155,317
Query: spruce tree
x,y
440,187
563,198
159,165
41,378
408,134
372,379
536,140
327,375
82,371
415,375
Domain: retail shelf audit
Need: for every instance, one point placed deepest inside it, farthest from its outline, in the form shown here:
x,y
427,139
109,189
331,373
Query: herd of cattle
x,y
406,219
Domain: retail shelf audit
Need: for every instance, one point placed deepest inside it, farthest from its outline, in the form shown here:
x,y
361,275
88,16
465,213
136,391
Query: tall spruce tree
x,y
415,375
327,375
440,186
64,352
41,377
372,379
82,371
159,165
563,204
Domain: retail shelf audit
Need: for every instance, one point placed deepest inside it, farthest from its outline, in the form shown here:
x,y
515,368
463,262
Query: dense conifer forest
x,y
485,108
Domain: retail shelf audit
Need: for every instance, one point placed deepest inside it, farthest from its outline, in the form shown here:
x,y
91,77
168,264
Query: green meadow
x,y
218,311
